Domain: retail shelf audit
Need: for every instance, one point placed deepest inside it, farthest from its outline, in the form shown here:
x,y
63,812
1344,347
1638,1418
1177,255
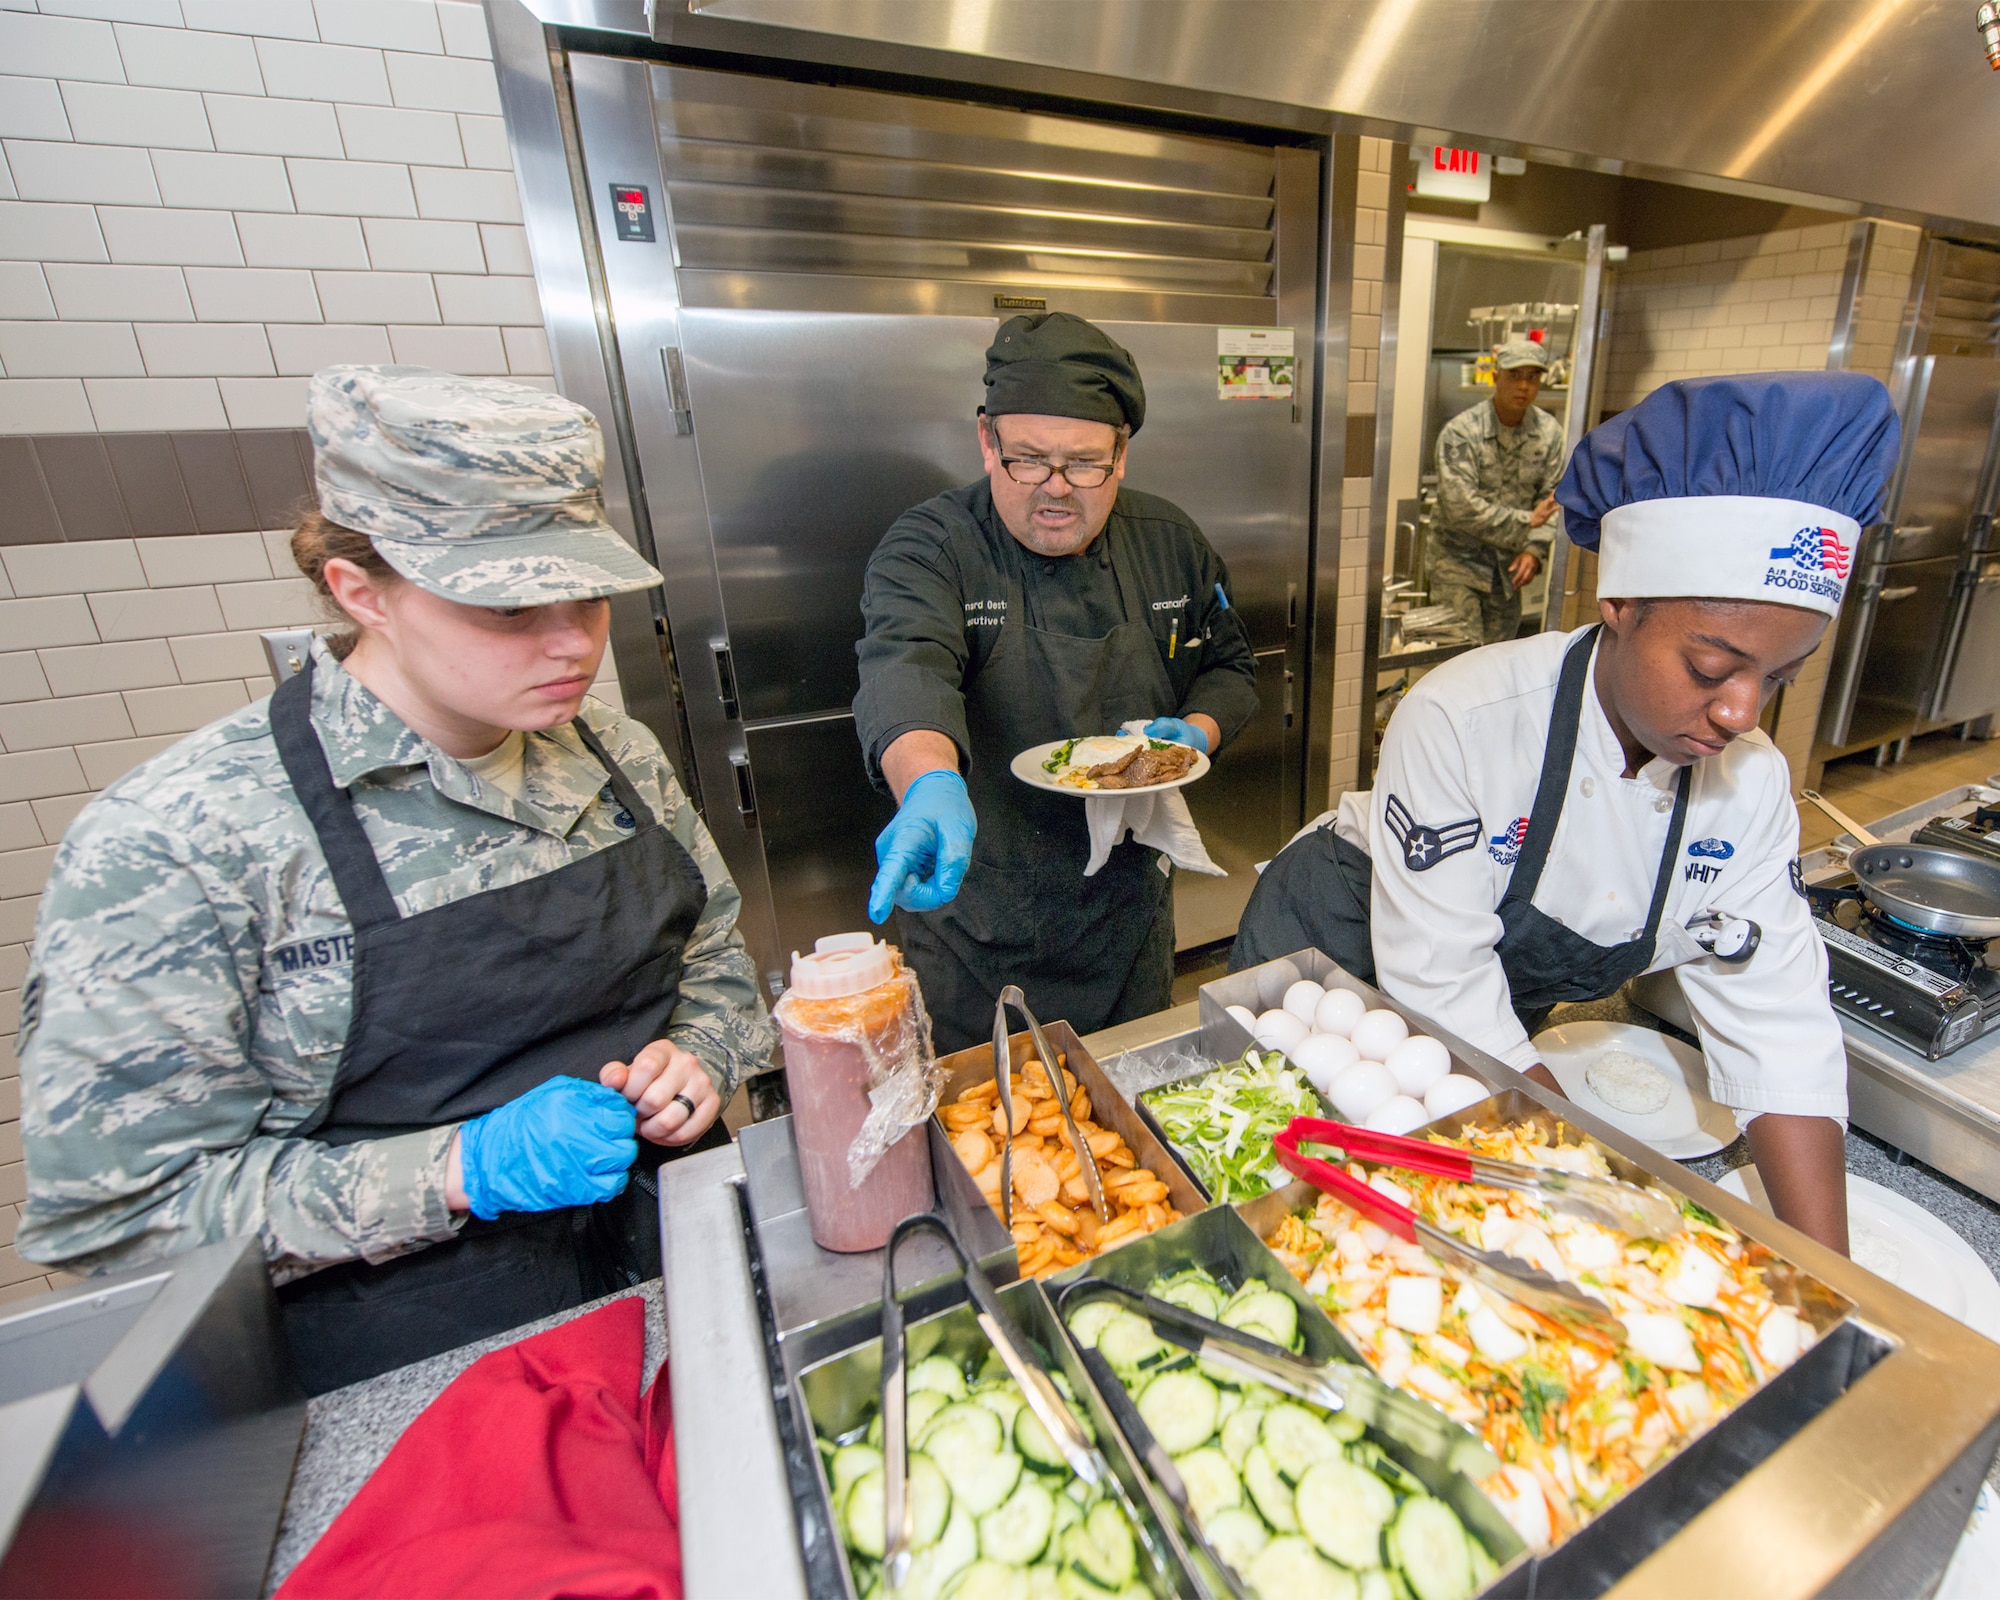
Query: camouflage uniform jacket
x,y
191,984
1489,479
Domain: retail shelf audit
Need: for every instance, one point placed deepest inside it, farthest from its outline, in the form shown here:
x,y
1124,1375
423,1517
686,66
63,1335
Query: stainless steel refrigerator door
x,y
815,431
1897,673
1972,686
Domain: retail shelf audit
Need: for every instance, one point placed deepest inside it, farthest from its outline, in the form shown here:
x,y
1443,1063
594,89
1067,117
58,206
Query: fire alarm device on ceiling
x,y
632,205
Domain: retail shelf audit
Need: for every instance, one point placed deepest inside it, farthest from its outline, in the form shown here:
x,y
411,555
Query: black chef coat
x,y
936,590
943,648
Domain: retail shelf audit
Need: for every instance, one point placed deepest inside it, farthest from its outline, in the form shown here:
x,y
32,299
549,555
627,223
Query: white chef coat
x,y
1467,743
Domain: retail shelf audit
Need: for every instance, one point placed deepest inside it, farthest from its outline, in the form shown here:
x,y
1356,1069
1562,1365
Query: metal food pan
x,y
1676,1490
1241,989
1222,1243
1108,1109
837,1395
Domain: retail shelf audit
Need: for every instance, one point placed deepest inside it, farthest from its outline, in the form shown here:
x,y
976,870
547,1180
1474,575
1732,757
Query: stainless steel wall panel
x,y
815,433
741,109
1951,424
1335,280
1867,101
1036,265
1246,808
966,297
818,817
837,173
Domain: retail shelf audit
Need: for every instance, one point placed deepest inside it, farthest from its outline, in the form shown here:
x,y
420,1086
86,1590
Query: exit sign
x,y
1447,173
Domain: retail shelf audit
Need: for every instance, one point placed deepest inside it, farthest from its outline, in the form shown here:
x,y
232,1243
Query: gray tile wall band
x,y
76,487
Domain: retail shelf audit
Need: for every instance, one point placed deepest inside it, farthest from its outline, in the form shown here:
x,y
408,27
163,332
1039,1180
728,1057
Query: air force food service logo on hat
x,y
1424,846
1753,487
1815,560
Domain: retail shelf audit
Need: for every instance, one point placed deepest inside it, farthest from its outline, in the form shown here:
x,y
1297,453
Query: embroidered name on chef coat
x,y
1424,846
985,613
1703,871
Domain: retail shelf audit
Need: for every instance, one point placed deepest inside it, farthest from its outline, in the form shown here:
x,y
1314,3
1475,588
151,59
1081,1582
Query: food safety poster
x,y
1254,363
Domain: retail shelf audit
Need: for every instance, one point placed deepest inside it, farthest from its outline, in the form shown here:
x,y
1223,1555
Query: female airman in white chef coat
x,y
1555,815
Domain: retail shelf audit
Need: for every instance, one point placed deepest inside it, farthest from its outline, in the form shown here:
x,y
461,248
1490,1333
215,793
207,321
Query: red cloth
x,y
541,1472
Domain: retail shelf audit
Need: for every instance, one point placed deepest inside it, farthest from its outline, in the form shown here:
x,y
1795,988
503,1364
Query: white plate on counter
x,y
1687,1127
1901,1242
1027,766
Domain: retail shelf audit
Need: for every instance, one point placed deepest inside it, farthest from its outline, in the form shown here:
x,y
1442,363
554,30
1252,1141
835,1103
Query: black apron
x,y
1091,951
1315,894
458,1010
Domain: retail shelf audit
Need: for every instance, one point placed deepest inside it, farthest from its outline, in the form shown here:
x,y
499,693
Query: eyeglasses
x,y
1032,471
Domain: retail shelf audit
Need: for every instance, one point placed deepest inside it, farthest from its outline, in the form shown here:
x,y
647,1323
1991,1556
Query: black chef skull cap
x,y
1051,364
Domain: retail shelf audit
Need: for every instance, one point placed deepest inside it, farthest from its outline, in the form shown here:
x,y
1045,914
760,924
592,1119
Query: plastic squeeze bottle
x,y
857,1039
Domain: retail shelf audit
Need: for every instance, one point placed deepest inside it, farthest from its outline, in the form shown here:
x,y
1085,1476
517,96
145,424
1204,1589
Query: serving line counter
x,y
1859,1501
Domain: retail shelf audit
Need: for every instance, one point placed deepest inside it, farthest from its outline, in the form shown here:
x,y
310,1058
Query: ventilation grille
x,y
765,177
1967,322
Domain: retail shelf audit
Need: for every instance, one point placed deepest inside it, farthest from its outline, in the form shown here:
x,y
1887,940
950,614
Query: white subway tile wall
x,y
253,135
201,203
1364,350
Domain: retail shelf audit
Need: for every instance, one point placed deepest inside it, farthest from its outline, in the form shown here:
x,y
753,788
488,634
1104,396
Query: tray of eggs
x,y
1365,1063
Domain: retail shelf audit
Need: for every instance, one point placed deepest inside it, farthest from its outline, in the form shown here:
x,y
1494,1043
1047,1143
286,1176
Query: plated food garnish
x,y
1297,1500
1574,1426
998,1512
1054,1223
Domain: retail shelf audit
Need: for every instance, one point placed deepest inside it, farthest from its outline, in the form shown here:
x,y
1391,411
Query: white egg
x,y
1244,1015
1301,998
1417,1064
1278,1030
1339,1012
1454,1092
1377,1033
1360,1089
1102,747
1273,979
1398,1114
1322,1057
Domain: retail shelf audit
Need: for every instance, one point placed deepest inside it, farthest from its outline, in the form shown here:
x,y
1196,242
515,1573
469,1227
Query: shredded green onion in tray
x,y
1222,1122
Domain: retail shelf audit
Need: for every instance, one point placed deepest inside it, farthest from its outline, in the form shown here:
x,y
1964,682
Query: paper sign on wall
x,y
1254,363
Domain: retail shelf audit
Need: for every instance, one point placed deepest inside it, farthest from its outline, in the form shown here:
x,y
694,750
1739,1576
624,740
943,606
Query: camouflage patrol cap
x,y
1520,353
475,489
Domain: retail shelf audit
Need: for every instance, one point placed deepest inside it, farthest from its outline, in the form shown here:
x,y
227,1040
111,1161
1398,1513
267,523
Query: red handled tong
x,y
1624,1207
1561,1303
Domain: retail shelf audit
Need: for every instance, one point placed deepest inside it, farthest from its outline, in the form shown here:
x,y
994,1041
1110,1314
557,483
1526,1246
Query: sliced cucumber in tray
x,y
1298,1501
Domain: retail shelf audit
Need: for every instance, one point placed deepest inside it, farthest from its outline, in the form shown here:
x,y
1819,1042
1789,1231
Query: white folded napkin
x,y
1159,818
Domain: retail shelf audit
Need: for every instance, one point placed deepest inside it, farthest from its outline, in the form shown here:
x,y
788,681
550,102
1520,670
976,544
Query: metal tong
x,y
1560,1303
1331,1385
1643,1213
1002,1070
1042,1397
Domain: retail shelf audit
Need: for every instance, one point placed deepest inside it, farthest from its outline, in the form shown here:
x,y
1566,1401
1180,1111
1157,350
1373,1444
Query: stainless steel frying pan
x,y
1928,886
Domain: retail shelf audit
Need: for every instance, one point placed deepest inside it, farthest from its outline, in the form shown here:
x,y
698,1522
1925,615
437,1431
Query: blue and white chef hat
x,y
1754,487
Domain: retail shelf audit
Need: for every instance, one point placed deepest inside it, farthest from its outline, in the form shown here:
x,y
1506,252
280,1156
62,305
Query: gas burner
x,y
1938,951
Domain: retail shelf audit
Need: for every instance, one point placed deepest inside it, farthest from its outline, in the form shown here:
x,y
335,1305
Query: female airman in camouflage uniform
x,y
397,969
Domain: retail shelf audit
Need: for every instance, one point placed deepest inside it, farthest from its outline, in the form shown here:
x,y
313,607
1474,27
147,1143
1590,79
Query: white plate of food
x,y
1066,766
1642,1083
1902,1243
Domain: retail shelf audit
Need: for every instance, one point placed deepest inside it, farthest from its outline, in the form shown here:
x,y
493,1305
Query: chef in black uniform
x,y
1044,601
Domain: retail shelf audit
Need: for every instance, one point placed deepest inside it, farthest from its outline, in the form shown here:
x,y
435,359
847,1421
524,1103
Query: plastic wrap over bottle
x,y
845,1052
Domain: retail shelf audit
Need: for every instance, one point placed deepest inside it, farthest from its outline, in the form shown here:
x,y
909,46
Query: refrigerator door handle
x,y
1900,592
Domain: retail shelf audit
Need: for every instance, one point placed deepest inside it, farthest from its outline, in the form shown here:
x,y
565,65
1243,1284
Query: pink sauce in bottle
x,y
850,1000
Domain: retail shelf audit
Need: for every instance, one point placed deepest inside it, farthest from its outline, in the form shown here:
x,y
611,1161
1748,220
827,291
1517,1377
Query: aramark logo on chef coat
x,y
1424,846
1815,562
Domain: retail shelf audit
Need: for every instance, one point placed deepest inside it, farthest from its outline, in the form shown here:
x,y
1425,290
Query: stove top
x,y
1978,832
1934,993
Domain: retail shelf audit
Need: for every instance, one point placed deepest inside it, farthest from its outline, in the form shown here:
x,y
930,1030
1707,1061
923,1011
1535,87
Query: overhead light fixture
x,y
1987,20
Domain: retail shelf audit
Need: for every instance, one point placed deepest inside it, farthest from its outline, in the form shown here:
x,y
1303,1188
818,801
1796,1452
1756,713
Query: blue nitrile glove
x,y
924,851
1176,731
563,1143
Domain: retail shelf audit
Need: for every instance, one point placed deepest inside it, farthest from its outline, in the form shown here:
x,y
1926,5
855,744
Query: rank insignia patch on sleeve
x,y
1424,846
